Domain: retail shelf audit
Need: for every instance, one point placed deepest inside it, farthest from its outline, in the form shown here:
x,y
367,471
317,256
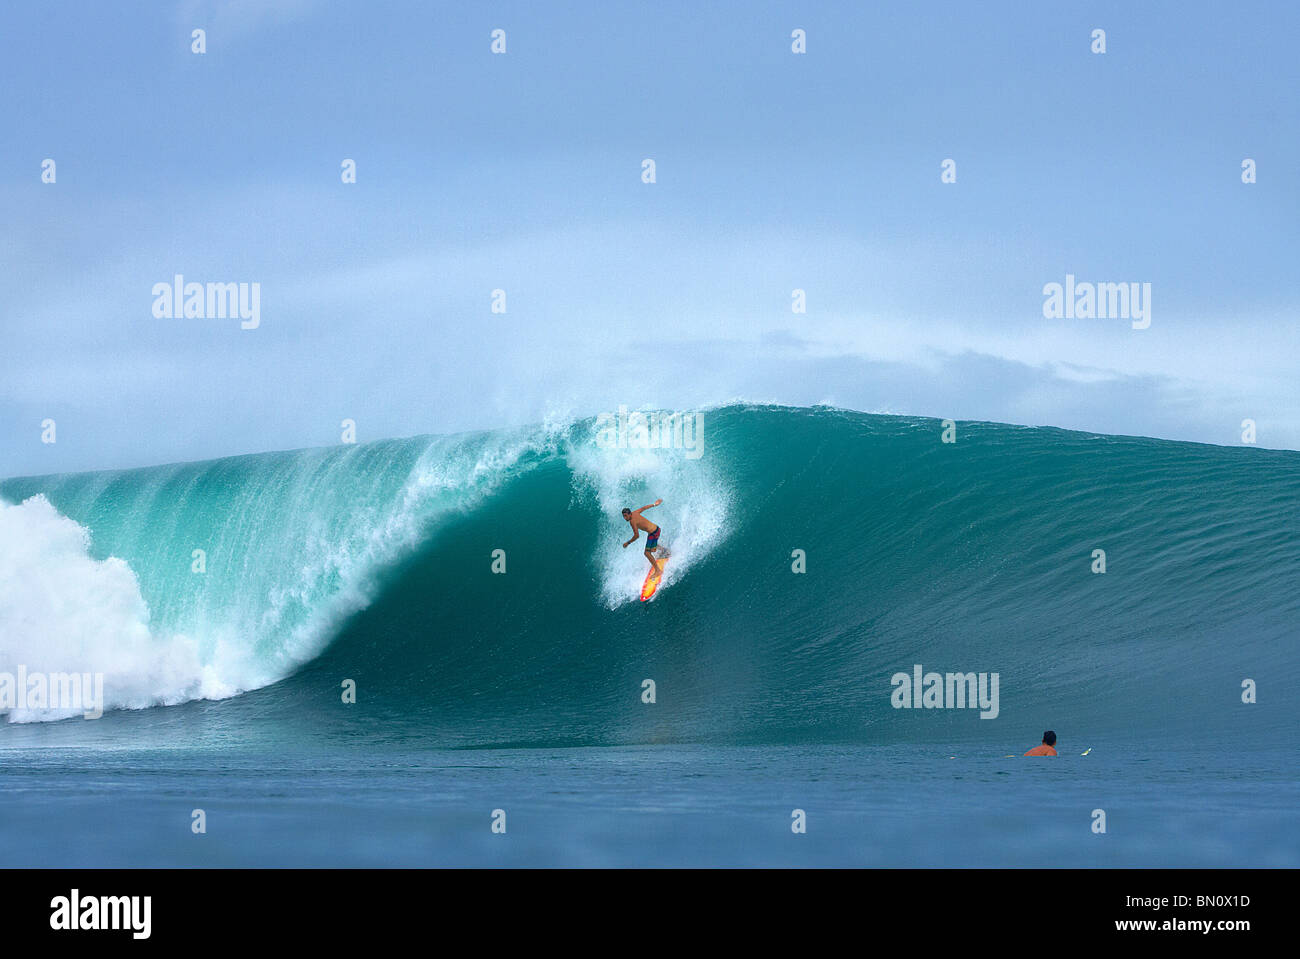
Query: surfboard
x,y
652,578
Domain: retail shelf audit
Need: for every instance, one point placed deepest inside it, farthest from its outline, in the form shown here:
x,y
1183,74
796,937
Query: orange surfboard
x,y
652,579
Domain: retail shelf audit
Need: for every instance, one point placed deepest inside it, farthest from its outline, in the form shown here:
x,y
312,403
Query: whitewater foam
x,y
62,611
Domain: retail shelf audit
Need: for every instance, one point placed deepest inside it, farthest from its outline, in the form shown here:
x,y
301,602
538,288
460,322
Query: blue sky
x,y
522,172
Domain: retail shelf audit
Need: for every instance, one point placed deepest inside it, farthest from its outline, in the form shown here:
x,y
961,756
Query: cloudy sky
x,y
523,172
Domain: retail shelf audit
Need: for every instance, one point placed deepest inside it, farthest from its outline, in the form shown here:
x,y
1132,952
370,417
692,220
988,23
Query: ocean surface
x,y
227,605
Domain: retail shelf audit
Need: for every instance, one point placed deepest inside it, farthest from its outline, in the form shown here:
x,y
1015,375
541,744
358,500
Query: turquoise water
x,y
523,690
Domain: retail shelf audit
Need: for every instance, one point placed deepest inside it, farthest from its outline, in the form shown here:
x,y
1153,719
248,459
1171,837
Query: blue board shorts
x,y
652,539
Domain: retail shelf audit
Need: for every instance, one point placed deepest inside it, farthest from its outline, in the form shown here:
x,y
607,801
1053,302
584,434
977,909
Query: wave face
x,y
375,564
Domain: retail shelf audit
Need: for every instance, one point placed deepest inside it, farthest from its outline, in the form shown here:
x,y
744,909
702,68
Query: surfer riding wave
x,y
652,530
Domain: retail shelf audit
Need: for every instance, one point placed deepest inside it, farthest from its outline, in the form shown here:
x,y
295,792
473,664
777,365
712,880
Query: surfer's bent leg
x,y
651,542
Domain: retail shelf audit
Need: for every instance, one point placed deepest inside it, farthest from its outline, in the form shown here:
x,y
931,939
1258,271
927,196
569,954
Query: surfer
x,y
1048,748
652,531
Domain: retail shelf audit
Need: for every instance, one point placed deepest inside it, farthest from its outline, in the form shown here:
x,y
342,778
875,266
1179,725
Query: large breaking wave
x,y
263,581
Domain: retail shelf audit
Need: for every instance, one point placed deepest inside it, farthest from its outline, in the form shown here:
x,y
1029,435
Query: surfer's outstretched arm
x,y
651,506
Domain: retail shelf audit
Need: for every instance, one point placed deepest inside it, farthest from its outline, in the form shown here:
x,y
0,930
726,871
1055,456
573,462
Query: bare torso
x,y
640,522
641,525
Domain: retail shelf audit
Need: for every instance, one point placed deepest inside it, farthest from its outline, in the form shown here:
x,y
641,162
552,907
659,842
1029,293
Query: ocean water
x,y
227,603
647,806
